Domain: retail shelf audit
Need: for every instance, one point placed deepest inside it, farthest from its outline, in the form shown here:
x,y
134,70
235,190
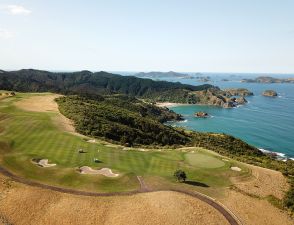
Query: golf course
x,y
40,152
30,131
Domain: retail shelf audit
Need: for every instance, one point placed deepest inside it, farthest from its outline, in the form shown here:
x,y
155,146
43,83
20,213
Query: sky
x,y
156,35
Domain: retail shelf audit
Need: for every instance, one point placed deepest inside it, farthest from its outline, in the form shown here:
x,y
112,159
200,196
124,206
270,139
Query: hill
x,y
122,119
29,80
86,82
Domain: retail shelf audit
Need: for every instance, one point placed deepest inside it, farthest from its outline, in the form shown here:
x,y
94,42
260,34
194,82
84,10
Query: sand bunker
x,y
235,168
104,171
44,163
92,141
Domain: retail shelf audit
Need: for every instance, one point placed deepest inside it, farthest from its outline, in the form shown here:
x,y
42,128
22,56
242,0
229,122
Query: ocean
x,y
264,122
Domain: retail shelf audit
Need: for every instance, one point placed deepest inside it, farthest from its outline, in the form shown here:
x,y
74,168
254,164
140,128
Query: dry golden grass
x,y
41,103
254,211
21,204
264,182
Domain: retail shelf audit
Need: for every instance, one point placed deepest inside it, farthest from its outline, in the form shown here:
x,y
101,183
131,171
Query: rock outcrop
x,y
241,100
238,92
201,114
218,97
270,93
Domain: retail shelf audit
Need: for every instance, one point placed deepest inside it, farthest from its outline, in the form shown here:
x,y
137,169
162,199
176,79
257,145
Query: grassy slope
x,y
33,135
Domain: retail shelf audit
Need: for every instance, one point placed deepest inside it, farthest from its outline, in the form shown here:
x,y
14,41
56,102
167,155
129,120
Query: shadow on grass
x,y
195,183
98,161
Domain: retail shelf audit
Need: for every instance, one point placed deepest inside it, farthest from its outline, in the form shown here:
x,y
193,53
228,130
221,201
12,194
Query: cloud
x,y
16,10
5,34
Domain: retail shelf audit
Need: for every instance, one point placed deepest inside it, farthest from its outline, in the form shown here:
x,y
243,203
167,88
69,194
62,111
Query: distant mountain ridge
x,y
86,82
103,83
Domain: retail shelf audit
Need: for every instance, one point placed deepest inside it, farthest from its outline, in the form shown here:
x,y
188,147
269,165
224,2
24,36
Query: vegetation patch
x,y
122,119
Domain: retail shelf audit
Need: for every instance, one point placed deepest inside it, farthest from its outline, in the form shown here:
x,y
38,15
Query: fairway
x,y
30,134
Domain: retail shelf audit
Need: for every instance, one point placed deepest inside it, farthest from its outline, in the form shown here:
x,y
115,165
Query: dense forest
x,y
122,119
83,82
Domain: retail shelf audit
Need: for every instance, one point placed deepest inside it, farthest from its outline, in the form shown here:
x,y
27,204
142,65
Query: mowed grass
x,y
203,160
34,135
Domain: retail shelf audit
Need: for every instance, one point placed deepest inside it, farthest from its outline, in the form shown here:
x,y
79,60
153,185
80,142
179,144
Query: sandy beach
x,y
168,104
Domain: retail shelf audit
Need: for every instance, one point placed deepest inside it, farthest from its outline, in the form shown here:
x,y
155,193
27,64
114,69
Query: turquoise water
x,y
265,122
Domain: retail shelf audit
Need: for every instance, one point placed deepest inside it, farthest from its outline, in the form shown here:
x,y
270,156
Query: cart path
x,y
143,186
231,218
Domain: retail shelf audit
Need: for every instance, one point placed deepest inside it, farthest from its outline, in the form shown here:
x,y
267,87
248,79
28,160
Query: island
x,y
201,114
157,75
238,92
204,79
267,79
270,93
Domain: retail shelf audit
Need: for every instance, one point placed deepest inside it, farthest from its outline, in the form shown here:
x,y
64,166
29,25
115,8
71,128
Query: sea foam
x,y
279,155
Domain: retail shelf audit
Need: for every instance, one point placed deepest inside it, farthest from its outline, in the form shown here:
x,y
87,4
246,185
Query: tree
x,y
180,175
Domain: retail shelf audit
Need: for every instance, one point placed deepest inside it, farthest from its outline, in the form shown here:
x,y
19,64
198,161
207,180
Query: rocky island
x,y
270,93
201,114
267,79
238,92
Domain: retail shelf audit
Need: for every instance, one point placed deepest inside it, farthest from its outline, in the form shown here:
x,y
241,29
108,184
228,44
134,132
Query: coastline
x,y
169,104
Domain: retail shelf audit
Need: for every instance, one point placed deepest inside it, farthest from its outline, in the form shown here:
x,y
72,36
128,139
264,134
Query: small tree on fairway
x,y
180,175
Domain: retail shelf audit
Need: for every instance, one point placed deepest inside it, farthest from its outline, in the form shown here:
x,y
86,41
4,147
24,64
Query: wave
x,y
279,155
183,121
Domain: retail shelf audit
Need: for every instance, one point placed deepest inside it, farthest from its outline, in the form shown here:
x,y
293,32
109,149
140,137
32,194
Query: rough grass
x,y
30,135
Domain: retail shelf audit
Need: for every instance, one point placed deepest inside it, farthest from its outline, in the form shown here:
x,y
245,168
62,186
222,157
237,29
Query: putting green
x,y
26,135
202,160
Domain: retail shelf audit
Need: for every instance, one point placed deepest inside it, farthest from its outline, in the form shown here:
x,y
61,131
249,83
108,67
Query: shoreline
x,y
169,104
